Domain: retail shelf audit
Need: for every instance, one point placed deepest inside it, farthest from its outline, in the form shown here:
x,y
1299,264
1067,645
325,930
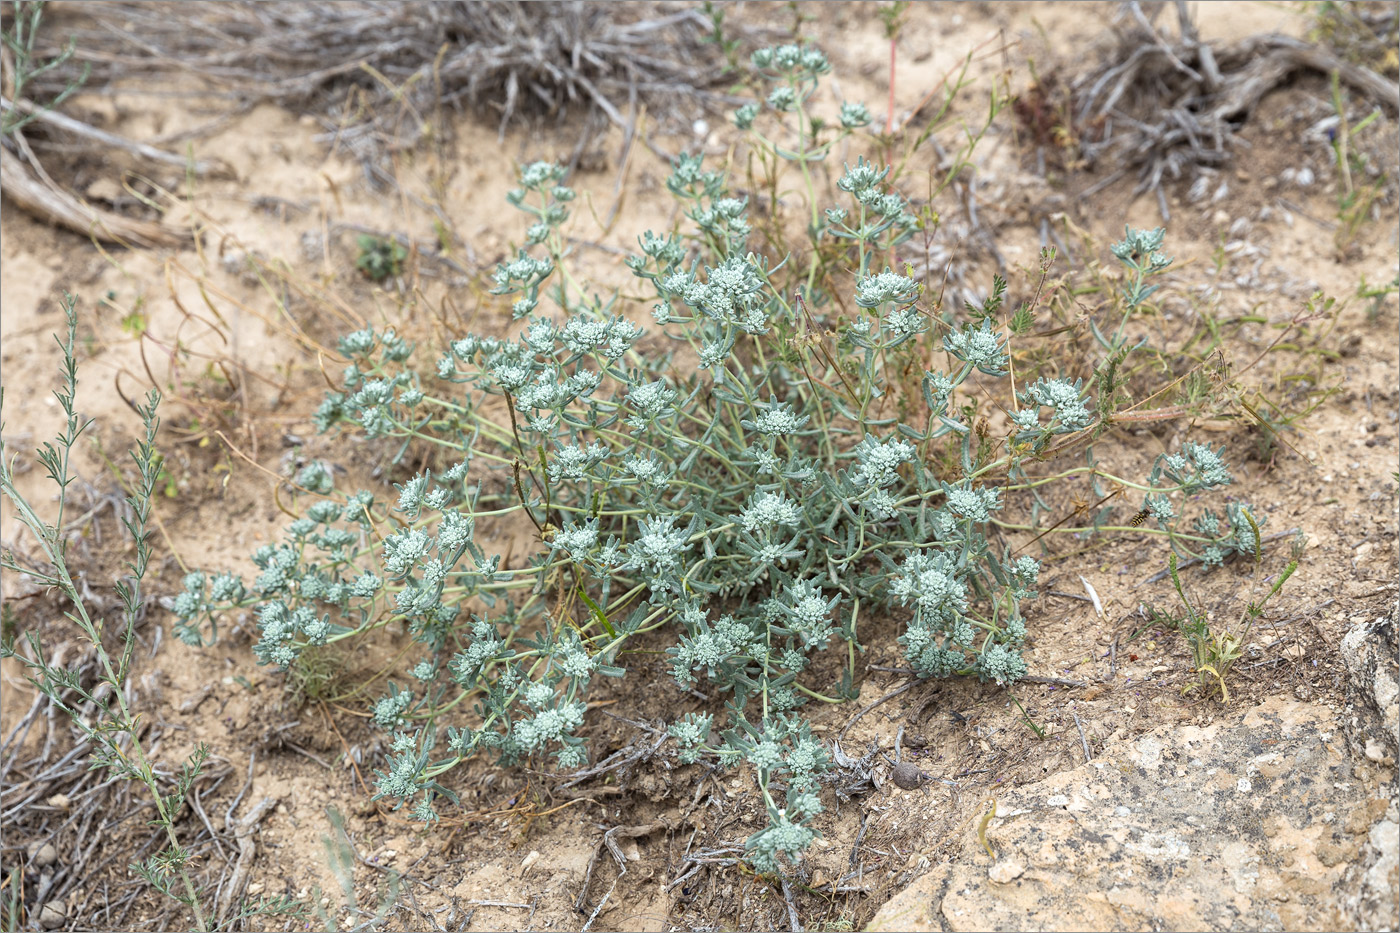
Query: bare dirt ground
x,y
275,270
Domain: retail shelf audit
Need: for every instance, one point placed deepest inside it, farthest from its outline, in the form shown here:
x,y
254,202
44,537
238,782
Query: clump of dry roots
x,y
374,73
1167,107
406,57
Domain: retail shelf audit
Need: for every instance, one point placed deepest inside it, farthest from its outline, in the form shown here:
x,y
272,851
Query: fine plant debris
x,y
375,73
403,61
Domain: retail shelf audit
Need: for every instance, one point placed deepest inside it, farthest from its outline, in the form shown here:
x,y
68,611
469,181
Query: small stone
x,y
908,776
104,189
59,801
255,888
1006,871
45,855
53,915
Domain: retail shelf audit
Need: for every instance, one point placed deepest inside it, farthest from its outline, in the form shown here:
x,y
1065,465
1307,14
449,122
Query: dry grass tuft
x,y
372,69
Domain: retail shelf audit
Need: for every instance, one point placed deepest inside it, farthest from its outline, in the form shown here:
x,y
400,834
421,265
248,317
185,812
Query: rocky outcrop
x,y
1369,652
1279,817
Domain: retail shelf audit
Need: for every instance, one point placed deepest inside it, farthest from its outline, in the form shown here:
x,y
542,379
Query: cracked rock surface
x,y
1283,816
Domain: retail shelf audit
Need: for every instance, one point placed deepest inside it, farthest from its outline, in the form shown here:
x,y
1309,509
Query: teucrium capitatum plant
x,y
730,474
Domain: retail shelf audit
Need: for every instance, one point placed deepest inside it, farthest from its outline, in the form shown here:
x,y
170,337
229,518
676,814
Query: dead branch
x,y
79,128
49,202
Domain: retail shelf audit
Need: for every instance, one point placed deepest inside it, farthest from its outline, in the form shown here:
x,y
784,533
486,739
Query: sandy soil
x,y
275,271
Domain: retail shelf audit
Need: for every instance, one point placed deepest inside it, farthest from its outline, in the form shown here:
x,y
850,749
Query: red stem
x,y
889,118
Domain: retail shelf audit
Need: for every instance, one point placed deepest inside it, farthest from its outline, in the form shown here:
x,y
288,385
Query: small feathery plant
x,y
114,730
1214,650
732,477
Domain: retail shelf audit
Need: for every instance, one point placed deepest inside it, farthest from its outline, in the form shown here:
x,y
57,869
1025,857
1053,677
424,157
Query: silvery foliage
x,y
713,475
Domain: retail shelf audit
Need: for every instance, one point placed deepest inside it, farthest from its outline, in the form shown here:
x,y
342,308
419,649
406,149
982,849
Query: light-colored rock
x,y
1249,823
53,915
1006,871
1369,653
1371,894
43,853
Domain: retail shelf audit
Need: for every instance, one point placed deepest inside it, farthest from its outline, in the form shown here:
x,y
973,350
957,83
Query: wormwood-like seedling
x,y
341,858
380,259
114,730
1215,649
738,478
23,67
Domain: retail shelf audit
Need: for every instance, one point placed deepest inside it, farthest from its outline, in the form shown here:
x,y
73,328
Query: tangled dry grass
x,y
377,75
405,59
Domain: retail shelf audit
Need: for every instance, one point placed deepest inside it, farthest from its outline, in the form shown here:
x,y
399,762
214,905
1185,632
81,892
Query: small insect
x,y
1139,518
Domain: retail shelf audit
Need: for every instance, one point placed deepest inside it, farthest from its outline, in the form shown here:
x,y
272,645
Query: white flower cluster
x,y
766,511
932,585
611,338
981,347
574,461
879,461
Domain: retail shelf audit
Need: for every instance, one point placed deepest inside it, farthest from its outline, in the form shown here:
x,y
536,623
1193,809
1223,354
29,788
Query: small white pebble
x,y
1006,871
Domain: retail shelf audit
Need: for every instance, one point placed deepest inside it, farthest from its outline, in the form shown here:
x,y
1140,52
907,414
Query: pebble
x,y
53,915
44,855
908,776
1006,871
